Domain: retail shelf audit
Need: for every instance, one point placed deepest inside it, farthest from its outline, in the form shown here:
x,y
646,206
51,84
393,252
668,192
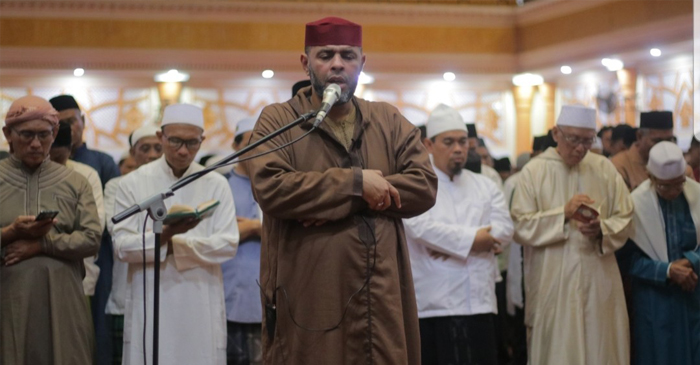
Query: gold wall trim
x,y
606,18
170,34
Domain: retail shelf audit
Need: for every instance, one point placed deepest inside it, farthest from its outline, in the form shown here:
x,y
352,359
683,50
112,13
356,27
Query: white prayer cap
x,y
148,130
577,116
443,119
244,125
183,114
666,161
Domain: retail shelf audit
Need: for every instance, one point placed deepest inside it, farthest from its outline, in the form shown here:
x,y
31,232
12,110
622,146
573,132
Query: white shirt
x,y
464,283
92,271
192,312
117,296
514,282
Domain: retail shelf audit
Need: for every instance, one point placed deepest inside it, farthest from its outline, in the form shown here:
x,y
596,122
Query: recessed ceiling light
x,y
655,52
78,72
172,76
365,79
449,76
565,70
528,79
612,64
268,74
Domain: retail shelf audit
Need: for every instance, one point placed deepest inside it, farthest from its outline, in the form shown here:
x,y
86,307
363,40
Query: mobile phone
x,y
46,214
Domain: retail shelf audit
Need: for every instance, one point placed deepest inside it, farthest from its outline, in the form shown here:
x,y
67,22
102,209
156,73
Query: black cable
x,y
145,307
347,304
196,175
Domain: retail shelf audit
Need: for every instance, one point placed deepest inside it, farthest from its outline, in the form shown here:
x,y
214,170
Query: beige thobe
x,y
574,303
44,317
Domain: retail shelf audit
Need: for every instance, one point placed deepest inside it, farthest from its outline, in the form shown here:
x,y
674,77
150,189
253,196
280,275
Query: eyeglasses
x,y
576,140
177,143
668,187
28,136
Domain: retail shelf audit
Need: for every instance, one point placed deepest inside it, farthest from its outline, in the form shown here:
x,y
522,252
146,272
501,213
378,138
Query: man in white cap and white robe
x,y
243,306
145,147
664,262
192,318
453,249
575,310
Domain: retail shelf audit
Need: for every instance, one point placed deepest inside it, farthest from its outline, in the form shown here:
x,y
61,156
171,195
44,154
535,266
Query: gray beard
x,y
319,87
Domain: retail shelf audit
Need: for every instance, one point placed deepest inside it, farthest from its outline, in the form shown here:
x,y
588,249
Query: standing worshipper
x,y
243,308
605,135
575,307
43,313
145,147
453,249
60,151
69,112
665,262
692,157
335,271
192,316
654,127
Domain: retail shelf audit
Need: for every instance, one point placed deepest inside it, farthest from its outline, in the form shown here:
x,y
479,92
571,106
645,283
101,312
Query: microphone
x,y
330,97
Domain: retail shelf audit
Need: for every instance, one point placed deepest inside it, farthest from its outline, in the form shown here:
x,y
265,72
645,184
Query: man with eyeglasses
x,y
43,313
145,147
192,311
575,312
665,261
654,127
453,248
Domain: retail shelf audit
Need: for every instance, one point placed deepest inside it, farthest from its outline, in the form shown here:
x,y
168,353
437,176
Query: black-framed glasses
x,y
576,140
28,136
177,143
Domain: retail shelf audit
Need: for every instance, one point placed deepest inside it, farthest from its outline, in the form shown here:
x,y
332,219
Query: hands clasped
x,y
23,236
682,274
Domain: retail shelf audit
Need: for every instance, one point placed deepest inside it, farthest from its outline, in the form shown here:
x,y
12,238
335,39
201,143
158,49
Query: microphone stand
x,y
155,205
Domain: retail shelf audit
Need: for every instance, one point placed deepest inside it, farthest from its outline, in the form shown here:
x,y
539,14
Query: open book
x,y
585,213
178,212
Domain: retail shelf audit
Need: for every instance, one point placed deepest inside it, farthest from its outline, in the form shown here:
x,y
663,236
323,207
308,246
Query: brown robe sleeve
x,y
286,193
416,181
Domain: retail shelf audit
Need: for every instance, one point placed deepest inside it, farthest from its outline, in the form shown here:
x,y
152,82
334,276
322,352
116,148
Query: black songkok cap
x,y
619,131
502,165
63,138
423,132
538,143
471,130
63,102
656,120
300,85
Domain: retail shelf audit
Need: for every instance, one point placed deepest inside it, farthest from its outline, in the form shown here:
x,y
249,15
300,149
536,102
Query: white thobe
x,y
192,311
120,269
463,282
92,271
514,282
574,303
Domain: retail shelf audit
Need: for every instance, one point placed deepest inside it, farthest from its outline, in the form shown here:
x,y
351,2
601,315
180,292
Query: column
x,y
627,77
523,109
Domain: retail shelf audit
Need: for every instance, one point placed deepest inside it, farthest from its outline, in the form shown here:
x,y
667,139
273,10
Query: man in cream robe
x,y
192,316
664,262
575,307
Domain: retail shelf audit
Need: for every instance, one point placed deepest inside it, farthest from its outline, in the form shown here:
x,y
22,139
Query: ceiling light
x,y
268,74
365,79
566,70
655,52
449,76
528,79
612,64
78,72
172,76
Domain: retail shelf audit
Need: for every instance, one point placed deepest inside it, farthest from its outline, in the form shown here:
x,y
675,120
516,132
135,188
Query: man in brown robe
x,y
335,274
654,127
44,317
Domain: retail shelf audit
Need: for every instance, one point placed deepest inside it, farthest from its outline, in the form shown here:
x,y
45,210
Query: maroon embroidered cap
x,y
333,31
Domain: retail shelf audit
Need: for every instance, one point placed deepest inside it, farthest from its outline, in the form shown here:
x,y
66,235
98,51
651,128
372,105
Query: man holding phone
x,y
41,292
